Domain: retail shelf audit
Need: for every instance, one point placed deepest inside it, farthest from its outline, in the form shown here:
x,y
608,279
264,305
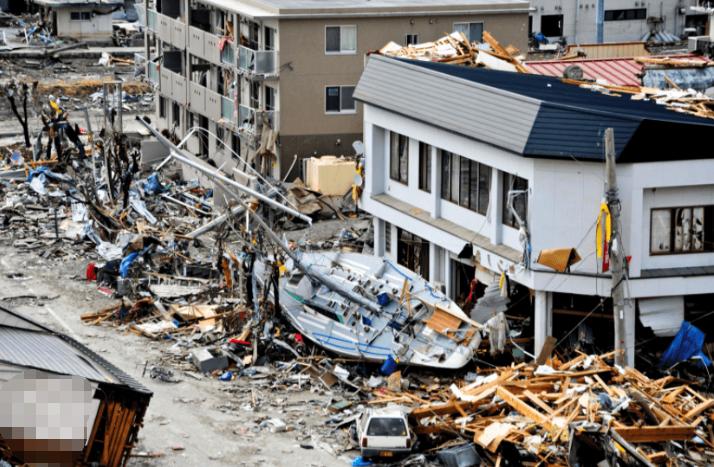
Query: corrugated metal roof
x,y
489,105
619,71
450,102
27,344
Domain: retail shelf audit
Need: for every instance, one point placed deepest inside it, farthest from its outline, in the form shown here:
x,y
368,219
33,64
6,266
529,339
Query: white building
x,y
86,20
622,20
445,144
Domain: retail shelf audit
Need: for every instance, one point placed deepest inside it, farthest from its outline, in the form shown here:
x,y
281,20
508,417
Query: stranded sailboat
x,y
367,307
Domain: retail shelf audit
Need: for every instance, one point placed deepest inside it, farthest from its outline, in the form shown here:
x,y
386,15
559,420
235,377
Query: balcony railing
x,y
258,62
151,22
228,54
227,110
250,119
152,73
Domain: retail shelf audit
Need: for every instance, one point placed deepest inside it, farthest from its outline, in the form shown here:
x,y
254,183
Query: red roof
x,y
617,71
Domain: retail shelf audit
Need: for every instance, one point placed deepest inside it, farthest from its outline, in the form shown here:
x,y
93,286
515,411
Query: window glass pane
x,y
74,15
682,229
454,184
476,32
412,39
332,99
464,182
661,230
698,229
86,16
445,173
347,101
348,39
484,188
424,167
403,159
332,39
462,27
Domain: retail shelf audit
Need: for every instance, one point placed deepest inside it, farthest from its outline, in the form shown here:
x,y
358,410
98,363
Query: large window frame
x,y
458,26
465,182
341,99
685,218
342,29
399,157
626,14
80,16
514,182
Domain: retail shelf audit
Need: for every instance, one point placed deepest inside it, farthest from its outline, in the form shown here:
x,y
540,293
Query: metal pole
x,y
615,251
215,174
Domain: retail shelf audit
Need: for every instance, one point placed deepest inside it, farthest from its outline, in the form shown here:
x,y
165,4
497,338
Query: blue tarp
x,y
126,263
685,345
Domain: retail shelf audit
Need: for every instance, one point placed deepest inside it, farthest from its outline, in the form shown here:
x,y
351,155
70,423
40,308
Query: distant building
x,y
86,20
275,77
447,145
622,20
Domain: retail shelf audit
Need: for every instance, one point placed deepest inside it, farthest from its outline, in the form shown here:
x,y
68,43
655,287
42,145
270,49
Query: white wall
x,y
579,18
99,27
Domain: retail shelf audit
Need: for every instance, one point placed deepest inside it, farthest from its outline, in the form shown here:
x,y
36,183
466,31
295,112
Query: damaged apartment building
x,y
475,173
273,80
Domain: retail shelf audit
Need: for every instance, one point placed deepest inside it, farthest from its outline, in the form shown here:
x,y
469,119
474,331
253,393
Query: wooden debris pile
x,y
541,412
456,49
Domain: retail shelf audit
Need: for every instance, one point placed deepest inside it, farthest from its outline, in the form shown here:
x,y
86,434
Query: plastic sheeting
x,y
685,345
699,79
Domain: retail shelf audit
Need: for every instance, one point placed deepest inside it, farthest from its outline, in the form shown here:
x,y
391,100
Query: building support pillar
x,y
434,275
379,239
543,324
496,208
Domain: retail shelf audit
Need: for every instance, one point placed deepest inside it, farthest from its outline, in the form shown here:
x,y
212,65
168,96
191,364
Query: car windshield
x,y
386,426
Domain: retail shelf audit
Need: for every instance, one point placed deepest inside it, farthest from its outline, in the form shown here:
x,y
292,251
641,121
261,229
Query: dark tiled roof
x,y
571,120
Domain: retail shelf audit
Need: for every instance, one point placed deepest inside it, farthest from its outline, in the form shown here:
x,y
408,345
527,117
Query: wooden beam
x,y
523,408
656,434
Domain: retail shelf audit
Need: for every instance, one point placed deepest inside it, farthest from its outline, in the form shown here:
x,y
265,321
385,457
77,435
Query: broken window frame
x,y
467,27
551,30
343,40
411,39
399,162
424,167
513,182
341,99
468,191
675,219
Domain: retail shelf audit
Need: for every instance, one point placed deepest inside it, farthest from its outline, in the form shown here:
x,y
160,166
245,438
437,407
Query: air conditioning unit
x,y
700,44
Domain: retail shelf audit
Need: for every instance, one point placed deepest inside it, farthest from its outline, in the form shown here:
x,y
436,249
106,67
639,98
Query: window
x,y
424,167
269,38
269,98
235,146
399,157
626,15
80,16
338,99
387,237
412,39
682,230
473,31
162,107
384,426
341,39
220,134
465,182
520,201
551,25
255,94
176,114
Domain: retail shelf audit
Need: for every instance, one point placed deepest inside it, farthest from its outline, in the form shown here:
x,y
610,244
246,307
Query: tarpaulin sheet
x,y
685,345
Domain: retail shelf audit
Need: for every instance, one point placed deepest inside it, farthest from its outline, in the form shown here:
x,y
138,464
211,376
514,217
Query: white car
x,y
385,433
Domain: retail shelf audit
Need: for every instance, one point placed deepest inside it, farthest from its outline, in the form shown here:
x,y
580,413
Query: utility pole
x,y
615,250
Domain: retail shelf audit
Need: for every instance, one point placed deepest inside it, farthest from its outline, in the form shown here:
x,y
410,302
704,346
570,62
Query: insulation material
x,y
664,315
330,175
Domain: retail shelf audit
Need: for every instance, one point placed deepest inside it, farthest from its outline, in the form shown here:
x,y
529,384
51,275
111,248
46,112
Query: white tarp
x,y
664,315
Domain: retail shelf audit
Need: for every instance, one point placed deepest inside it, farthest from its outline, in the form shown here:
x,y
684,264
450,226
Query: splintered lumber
x,y
656,434
524,402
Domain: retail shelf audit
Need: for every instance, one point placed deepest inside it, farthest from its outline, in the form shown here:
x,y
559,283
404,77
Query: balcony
x,y
263,63
249,119
152,73
173,85
172,31
204,45
228,54
151,21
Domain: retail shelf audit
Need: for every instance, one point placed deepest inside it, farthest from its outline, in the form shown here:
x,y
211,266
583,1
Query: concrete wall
x,y
98,28
307,70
